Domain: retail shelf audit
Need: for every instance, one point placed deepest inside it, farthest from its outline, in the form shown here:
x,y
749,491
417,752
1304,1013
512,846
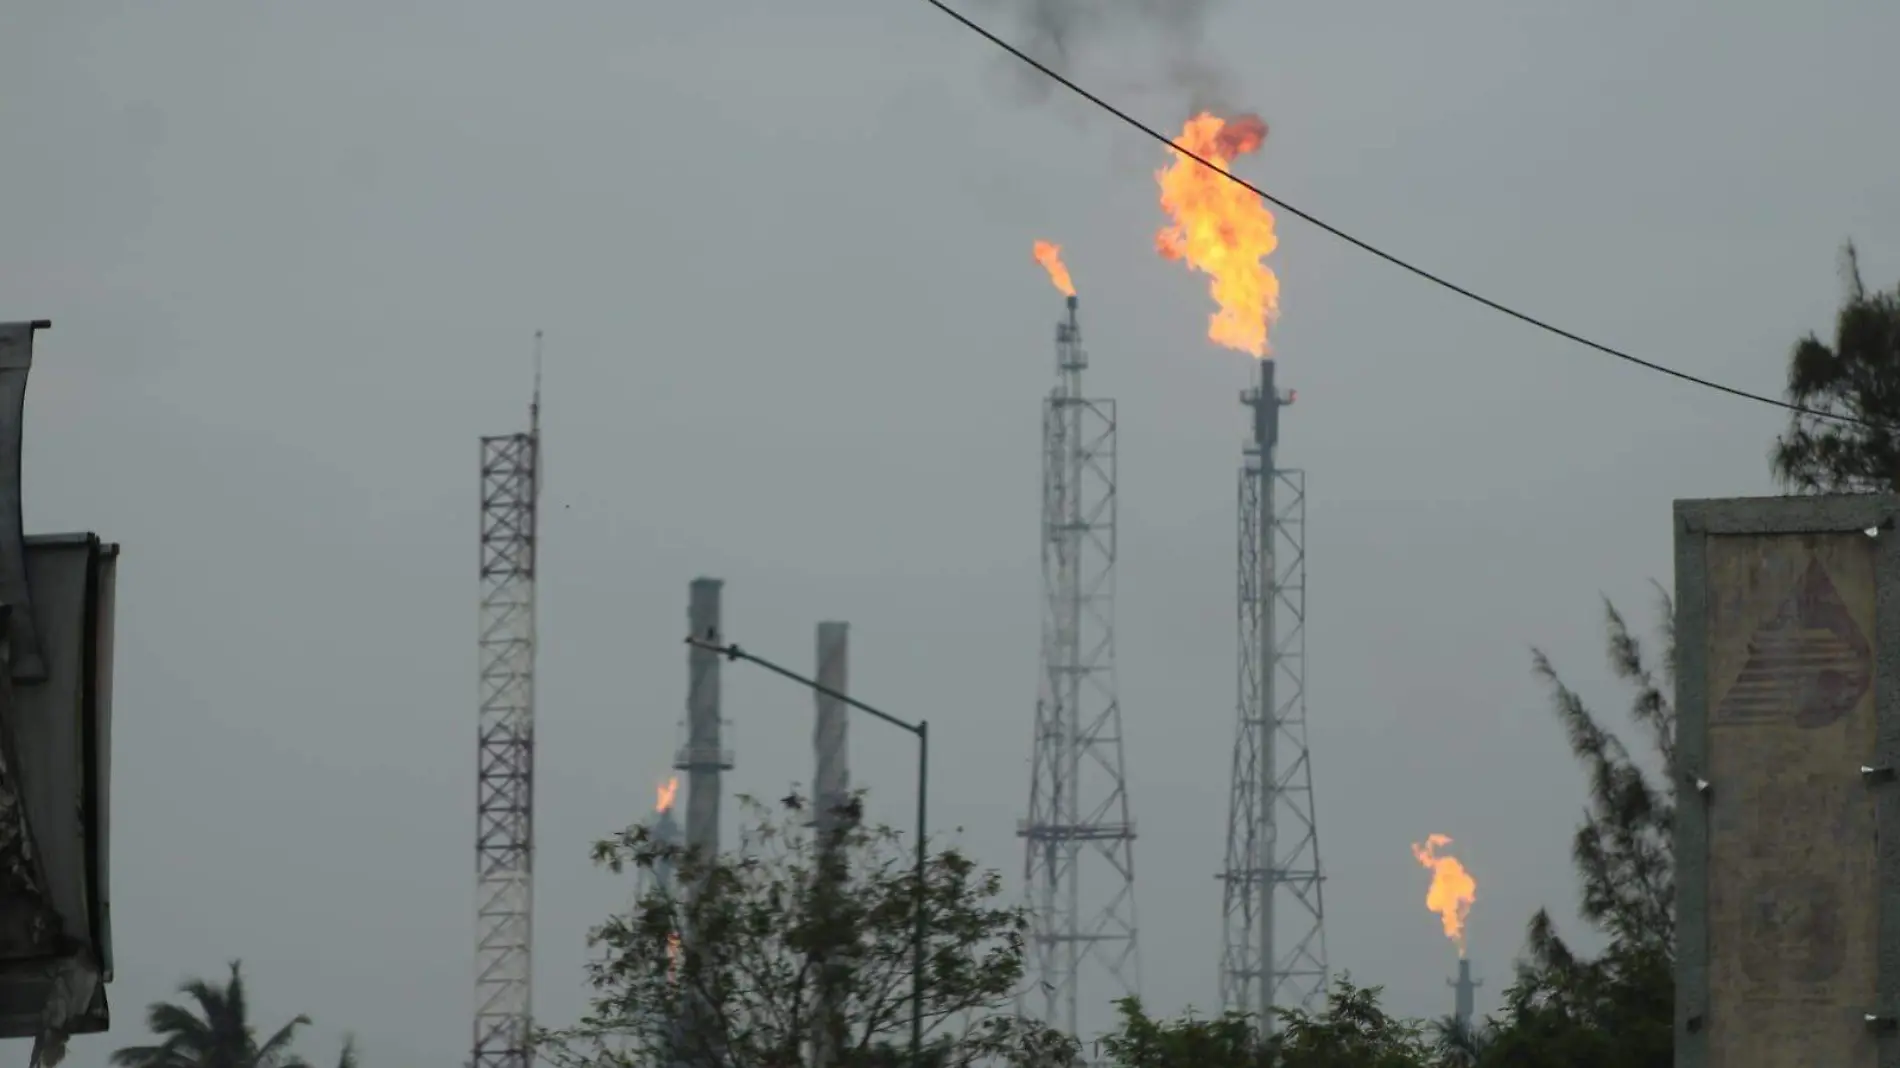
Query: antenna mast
x,y
504,791
534,406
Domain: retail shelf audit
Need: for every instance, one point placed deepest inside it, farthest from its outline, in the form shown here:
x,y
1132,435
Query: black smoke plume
x,y
1165,39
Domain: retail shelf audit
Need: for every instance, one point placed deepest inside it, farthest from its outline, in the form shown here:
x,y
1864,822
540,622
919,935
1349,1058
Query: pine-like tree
x,y
1858,378
1616,1008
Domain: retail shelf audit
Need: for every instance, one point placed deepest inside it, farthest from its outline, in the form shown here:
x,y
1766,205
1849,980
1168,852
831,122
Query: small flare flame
x,y
1050,256
666,792
1453,889
1222,230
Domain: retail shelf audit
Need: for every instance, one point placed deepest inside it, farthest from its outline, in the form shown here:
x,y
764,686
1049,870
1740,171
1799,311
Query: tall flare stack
x,y
1272,881
831,795
1078,838
1224,230
703,758
1452,893
831,784
665,829
657,879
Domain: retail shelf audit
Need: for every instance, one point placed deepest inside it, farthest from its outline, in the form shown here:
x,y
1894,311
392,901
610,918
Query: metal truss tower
x,y
1272,913
1078,794
504,791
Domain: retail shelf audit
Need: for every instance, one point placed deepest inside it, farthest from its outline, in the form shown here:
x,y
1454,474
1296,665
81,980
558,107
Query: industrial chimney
x,y
702,758
831,792
831,784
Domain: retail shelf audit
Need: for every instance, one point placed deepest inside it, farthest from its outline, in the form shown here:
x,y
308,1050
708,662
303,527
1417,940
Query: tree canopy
x,y
1617,1008
1856,377
1351,1031
794,939
215,1031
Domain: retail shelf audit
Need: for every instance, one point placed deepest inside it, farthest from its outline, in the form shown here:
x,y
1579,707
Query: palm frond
x,y
164,1056
176,1023
218,1034
236,1005
273,1052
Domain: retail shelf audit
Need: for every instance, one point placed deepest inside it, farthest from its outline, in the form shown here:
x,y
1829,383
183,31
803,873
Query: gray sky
x,y
295,253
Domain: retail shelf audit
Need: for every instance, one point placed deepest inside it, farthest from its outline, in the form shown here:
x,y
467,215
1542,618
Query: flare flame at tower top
x,y
1078,838
1272,912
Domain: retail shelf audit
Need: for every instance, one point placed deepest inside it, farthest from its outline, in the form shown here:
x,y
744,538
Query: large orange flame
x,y
1453,889
1222,230
1050,256
667,791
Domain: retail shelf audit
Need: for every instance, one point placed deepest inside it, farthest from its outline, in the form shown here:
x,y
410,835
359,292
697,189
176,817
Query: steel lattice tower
x,y
504,800
1271,885
1078,793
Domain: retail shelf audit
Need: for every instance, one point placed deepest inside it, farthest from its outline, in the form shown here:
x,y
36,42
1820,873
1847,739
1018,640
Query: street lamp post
x,y
919,730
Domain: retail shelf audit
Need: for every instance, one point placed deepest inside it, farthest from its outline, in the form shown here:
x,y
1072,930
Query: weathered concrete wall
x,y
1788,645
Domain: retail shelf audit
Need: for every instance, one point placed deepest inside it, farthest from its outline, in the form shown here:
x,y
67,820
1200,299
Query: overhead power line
x,y
1367,246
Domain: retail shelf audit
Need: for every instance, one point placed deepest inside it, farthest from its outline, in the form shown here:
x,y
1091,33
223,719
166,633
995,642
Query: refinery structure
x,y
1078,829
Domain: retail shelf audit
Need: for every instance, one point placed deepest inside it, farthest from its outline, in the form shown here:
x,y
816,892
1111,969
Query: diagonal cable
x,y
1396,261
